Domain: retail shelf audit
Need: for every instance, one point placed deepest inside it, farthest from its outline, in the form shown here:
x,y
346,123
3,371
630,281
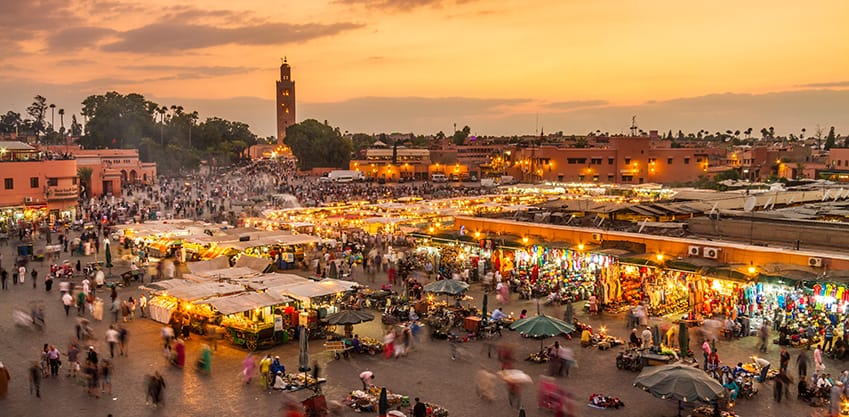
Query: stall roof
x,y
229,273
313,289
266,281
200,267
253,263
245,301
199,291
167,284
299,239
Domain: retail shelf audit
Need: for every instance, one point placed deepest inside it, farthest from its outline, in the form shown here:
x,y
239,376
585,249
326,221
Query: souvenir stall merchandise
x,y
712,296
562,274
707,411
631,287
667,292
367,401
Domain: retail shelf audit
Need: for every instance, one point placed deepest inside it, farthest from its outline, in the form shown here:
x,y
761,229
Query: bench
x,y
338,348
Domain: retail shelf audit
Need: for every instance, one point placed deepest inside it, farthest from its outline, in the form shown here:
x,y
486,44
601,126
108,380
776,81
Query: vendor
x,y
634,338
498,315
763,365
587,336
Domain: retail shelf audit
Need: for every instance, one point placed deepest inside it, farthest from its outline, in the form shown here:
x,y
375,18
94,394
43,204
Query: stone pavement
x,y
428,372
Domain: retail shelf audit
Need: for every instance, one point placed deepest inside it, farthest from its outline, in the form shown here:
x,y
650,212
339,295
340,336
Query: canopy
x,y
266,281
243,302
228,273
681,382
199,291
312,289
447,286
210,265
542,326
349,317
254,263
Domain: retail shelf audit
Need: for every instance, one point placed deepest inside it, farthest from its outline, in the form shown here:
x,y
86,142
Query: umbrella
x,y
447,286
683,383
303,353
683,339
485,300
542,326
349,317
383,403
109,257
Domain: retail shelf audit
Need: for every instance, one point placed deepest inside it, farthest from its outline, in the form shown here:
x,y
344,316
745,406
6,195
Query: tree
x,y
76,127
10,122
460,136
36,112
831,139
116,120
85,178
748,133
360,141
52,117
62,121
318,145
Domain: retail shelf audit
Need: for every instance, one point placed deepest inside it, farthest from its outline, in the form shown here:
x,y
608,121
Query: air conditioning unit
x,y
815,262
695,251
597,237
712,253
27,199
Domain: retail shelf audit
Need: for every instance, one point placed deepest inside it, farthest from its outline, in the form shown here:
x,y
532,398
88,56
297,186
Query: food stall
x,y
178,295
315,299
252,319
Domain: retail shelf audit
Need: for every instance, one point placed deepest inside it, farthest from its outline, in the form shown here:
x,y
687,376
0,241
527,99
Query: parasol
x,y
683,383
447,286
683,339
349,317
383,403
542,326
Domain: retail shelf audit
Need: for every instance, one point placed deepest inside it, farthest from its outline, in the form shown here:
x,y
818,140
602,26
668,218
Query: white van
x,y
439,178
344,176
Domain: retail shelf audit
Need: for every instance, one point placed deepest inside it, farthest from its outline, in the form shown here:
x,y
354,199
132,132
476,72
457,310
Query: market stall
x,y
178,295
253,320
315,299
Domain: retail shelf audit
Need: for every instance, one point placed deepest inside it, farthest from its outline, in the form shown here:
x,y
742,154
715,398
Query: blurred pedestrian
x,y
4,380
106,376
248,368
112,338
35,379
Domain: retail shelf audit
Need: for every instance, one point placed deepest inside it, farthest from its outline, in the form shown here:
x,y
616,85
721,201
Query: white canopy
x,y
245,301
312,289
228,273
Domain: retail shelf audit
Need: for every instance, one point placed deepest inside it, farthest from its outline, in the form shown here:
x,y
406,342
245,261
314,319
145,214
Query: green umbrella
x,y
680,382
109,257
447,286
349,317
542,326
683,339
382,403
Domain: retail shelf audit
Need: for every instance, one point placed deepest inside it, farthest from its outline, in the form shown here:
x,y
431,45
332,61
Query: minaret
x,y
285,101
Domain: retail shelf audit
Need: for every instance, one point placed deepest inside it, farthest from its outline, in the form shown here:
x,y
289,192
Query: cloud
x,y
75,62
575,104
78,37
182,72
167,37
400,5
832,84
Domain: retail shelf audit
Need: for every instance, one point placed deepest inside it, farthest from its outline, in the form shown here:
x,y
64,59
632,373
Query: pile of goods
x,y
707,411
605,401
371,346
299,381
539,357
367,401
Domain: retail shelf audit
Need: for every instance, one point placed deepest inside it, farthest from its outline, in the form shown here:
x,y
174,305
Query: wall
x,y
729,253
21,172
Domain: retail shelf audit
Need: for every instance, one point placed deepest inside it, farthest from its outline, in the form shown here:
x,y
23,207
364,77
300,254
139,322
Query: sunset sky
x,y
499,66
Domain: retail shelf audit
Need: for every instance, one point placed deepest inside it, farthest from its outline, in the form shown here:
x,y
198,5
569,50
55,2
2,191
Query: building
x,y
110,169
410,163
285,101
36,185
623,160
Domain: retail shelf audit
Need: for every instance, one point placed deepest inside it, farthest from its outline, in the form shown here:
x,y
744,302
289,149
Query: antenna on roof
x,y
634,126
643,225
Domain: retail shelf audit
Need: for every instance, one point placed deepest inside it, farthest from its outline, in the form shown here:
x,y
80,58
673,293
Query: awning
x,y
244,302
253,263
228,273
220,262
314,289
727,274
200,291
266,281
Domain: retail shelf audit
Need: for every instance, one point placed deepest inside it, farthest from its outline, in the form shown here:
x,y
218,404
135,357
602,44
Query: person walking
x,y
706,351
784,359
763,335
155,388
67,302
4,276
106,376
123,339
53,357
802,364
35,379
143,305
419,409
34,275
829,337
818,365
248,369
112,338
4,380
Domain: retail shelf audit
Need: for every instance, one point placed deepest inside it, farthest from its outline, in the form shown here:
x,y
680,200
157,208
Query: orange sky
x,y
574,65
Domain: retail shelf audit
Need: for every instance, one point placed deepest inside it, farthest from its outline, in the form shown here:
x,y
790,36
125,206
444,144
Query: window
x,y
52,182
609,177
686,161
609,161
627,161
595,178
627,178
698,160
74,180
576,161
595,161
33,182
581,178
668,161
8,183
652,160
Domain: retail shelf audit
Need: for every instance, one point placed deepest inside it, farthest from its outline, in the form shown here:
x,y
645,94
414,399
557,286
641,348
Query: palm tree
x,y
52,116
62,121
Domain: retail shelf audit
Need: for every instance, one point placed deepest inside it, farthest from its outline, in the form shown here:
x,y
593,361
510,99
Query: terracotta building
x,y
623,160
36,184
110,168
